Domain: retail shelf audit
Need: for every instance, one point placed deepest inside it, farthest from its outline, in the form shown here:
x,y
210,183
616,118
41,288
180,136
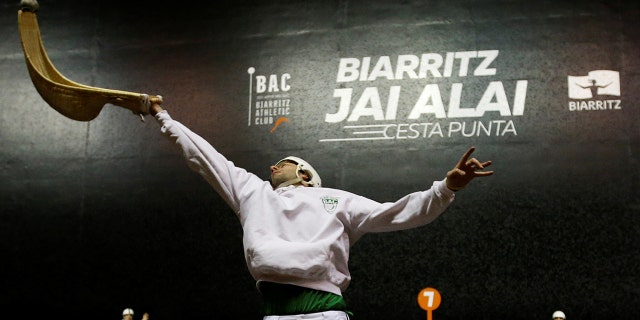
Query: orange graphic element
x,y
278,122
429,299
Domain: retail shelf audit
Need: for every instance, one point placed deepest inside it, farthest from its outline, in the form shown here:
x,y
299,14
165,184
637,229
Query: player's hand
x,y
466,170
155,109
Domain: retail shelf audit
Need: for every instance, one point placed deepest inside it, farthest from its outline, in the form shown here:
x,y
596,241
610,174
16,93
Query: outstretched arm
x,y
229,181
466,170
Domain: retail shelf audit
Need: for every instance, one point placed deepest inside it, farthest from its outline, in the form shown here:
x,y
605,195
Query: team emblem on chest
x,y
330,203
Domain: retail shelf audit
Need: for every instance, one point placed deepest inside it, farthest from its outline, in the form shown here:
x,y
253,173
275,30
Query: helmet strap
x,y
290,182
298,179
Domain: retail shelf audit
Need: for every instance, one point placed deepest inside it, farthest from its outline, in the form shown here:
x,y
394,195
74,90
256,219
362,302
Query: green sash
x,y
284,299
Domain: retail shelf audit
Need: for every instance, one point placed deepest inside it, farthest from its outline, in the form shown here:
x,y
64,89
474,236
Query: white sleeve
x,y
413,210
227,179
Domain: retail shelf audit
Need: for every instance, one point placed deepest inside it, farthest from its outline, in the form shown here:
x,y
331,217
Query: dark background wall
x,y
102,215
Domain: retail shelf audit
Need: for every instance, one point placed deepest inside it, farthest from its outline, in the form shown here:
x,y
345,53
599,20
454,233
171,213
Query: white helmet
x,y
558,314
315,180
127,311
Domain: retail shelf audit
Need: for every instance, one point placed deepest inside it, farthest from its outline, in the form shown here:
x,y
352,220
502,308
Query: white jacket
x,y
301,235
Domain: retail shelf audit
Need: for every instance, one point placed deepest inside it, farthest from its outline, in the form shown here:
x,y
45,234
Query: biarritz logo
x,y
594,91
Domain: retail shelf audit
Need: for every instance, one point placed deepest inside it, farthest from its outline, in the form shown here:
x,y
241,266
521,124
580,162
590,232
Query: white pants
x,y
327,315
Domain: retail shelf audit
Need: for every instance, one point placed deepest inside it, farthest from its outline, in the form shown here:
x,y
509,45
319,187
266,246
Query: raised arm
x,y
229,181
466,170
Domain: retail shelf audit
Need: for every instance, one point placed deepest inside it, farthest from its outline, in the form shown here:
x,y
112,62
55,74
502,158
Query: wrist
x,y
155,109
451,187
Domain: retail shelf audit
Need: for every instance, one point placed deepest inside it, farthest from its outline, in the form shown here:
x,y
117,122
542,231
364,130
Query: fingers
x,y
466,170
483,173
156,99
475,164
465,156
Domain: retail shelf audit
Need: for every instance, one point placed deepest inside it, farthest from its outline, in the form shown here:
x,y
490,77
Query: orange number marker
x,y
429,300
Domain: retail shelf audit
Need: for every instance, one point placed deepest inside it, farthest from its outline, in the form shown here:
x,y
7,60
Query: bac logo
x,y
596,83
272,105
330,204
